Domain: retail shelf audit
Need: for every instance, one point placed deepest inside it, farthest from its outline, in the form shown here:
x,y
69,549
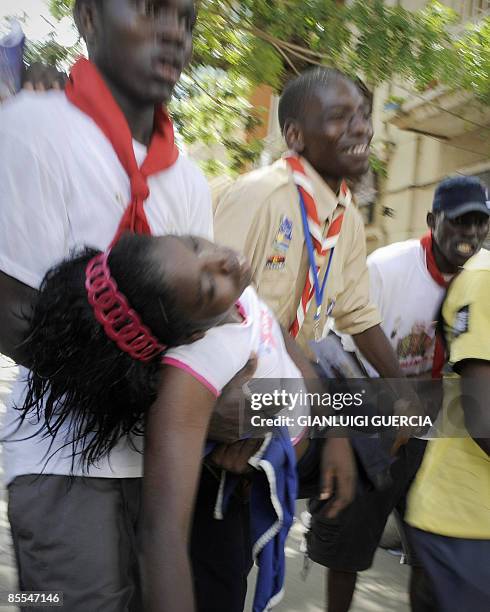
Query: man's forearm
x,y
376,348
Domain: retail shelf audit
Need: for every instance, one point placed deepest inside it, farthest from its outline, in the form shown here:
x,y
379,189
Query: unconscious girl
x,y
142,340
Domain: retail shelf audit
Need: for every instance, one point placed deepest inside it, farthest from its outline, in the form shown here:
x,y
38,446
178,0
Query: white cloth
x,y
409,301
215,359
63,187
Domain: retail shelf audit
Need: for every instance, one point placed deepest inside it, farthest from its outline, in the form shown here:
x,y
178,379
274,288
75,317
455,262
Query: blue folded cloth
x,y
272,505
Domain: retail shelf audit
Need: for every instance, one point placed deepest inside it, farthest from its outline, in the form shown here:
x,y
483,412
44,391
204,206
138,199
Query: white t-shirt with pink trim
x,y
215,359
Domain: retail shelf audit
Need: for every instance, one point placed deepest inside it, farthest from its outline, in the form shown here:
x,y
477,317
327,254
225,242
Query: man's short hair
x,y
299,92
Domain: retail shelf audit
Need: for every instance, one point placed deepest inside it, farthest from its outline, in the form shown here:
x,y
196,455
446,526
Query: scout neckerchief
x,y
427,242
87,90
318,246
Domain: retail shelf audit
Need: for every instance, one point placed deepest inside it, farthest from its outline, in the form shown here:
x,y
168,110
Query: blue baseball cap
x,y
459,195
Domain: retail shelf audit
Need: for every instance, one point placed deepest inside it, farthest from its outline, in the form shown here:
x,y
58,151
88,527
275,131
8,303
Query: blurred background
x,y
428,66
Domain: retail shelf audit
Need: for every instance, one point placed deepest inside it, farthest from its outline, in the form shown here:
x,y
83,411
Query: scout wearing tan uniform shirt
x,y
261,216
326,120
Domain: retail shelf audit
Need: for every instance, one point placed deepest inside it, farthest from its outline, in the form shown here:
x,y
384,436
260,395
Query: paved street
x,y
381,589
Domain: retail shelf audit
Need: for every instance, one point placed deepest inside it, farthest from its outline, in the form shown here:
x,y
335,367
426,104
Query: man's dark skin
x,y
128,46
472,229
338,117
140,48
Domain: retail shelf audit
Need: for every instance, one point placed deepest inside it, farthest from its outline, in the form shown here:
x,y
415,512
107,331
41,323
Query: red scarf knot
x,y
139,187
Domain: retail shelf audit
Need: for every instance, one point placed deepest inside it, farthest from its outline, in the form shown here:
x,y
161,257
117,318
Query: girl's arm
x,y
176,429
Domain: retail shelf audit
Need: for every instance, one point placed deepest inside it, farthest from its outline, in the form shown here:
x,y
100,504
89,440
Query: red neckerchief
x,y
87,90
439,353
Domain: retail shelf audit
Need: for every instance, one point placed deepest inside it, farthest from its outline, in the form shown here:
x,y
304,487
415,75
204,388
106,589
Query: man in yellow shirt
x,y
449,503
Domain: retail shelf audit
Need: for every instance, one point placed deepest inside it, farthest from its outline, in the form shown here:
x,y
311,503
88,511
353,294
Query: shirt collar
x,y
325,199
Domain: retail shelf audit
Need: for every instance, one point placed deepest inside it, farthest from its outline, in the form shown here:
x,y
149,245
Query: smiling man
x,y
326,120
295,220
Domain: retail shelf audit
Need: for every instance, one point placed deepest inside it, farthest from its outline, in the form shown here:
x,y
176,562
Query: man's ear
x,y
431,220
293,134
85,17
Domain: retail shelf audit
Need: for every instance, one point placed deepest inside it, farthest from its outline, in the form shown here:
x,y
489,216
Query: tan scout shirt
x,y
260,215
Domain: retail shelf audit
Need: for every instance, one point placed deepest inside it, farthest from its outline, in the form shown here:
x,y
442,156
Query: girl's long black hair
x,y
81,385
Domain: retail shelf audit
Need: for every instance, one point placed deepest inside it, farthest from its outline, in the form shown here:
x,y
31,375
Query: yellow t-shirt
x,y
451,493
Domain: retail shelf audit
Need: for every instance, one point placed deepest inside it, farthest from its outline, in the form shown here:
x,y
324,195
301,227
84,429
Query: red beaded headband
x,y
111,309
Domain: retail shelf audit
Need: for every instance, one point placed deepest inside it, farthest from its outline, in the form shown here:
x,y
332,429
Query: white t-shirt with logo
x,y
62,187
215,359
409,301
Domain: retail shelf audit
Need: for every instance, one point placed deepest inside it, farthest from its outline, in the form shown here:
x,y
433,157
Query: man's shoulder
x,y
33,114
394,256
473,282
191,172
479,262
257,186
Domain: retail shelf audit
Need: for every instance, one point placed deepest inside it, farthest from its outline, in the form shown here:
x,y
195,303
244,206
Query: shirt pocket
x,y
278,289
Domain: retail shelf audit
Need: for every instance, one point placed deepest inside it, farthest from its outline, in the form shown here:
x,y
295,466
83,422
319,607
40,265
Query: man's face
x,y
337,130
460,238
142,46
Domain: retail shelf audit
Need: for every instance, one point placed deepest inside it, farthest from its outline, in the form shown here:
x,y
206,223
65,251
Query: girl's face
x,y
207,279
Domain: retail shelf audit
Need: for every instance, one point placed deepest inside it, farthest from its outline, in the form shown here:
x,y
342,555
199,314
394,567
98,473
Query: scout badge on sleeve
x,y
284,235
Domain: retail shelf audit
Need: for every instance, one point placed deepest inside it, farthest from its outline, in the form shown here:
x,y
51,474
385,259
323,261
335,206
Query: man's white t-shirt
x,y
409,301
215,359
62,187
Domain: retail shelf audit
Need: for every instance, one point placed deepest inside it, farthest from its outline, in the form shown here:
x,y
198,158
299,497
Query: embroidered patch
x,y
275,262
284,234
461,322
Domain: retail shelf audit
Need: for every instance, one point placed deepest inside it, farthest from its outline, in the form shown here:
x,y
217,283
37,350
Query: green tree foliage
x,y
239,45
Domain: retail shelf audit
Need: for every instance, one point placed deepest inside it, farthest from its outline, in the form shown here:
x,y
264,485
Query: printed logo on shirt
x,y
461,322
275,262
267,340
284,235
415,350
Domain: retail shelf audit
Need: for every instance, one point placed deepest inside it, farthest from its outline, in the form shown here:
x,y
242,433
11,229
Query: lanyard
x,y
319,291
